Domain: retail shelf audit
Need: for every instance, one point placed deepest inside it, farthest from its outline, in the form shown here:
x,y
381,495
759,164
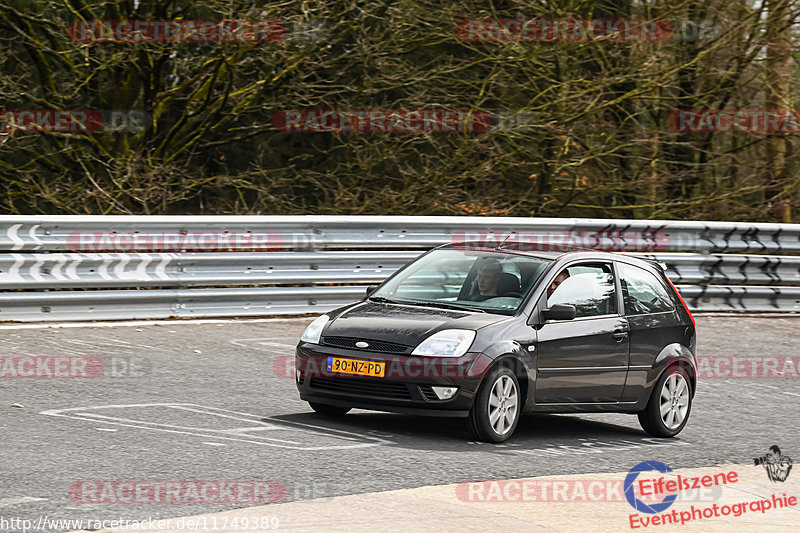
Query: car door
x,y
584,360
653,321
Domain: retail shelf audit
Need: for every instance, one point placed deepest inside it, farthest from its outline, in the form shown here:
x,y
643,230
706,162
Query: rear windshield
x,y
493,282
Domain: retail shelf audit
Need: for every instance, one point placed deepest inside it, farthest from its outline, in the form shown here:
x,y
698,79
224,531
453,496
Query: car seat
x,y
507,283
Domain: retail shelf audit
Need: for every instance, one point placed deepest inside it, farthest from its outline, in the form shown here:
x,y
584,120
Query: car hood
x,y
401,324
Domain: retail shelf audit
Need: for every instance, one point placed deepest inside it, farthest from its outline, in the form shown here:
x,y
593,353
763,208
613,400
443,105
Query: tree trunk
x,y
779,49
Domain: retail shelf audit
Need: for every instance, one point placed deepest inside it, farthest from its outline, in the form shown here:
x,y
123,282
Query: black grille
x,y
427,393
374,346
363,387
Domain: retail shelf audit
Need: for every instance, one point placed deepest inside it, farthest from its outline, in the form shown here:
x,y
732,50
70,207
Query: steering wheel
x,y
512,295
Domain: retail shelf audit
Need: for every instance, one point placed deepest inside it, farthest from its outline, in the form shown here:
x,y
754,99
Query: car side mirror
x,y
559,312
371,289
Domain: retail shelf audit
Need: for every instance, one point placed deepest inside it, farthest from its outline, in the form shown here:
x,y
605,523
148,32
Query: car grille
x,y
363,387
428,394
374,346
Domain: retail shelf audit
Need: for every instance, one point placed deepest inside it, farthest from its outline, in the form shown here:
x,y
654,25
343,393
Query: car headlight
x,y
314,330
446,343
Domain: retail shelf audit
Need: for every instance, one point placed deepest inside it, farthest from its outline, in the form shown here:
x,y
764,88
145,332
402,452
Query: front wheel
x,y
497,406
670,404
330,410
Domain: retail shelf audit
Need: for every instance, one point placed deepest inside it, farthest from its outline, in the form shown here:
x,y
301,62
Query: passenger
x,y
556,282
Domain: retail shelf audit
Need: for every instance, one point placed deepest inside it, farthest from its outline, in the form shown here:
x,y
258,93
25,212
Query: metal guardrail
x,y
99,270
62,233
730,268
182,303
306,264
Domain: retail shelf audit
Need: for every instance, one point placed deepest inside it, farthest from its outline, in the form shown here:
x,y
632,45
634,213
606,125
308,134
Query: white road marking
x,y
278,423
214,443
8,502
60,347
791,393
94,341
255,423
592,446
106,429
264,341
140,323
239,418
158,424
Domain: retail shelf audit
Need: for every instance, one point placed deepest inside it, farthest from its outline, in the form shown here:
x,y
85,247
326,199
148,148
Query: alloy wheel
x,y
503,405
674,401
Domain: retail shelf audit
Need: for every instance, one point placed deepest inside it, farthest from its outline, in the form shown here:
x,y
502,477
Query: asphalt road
x,y
203,402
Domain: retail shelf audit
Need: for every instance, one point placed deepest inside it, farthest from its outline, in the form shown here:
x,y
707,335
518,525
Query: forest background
x,y
586,128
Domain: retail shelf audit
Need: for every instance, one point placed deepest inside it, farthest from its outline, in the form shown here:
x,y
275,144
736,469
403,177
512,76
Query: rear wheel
x,y
497,407
330,410
670,404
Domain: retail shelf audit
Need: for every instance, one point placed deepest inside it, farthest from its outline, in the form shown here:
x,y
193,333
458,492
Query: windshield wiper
x,y
381,299
447,306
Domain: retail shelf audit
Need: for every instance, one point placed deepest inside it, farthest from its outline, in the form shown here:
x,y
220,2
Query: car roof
x,y
555,255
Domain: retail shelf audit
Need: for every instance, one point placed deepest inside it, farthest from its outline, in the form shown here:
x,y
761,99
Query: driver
x,y
563,275
488,277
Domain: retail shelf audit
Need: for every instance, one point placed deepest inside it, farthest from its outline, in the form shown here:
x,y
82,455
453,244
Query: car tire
x,y
670,404
499,397
329,410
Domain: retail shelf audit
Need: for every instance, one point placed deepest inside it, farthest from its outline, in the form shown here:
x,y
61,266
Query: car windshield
x,y
493,282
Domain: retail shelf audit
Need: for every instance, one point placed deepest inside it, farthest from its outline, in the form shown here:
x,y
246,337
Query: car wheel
x,y
330,410
670,404
497,406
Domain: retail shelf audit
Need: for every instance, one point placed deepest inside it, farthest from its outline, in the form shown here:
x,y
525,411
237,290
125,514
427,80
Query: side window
x,y
643,292
590,288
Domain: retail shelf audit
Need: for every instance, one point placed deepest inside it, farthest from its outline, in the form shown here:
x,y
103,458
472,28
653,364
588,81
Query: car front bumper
x,y
404,388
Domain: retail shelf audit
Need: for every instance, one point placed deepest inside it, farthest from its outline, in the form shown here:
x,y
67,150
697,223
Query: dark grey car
x,y
491,334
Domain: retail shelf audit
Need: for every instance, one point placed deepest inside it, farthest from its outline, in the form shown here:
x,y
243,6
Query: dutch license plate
x,y
358,368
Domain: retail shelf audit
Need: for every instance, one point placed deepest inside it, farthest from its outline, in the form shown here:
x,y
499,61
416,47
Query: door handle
x,y
619,335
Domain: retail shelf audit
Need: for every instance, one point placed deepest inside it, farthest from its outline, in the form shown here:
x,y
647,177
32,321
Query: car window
x,y
441,276
642,291
489,281
590,288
